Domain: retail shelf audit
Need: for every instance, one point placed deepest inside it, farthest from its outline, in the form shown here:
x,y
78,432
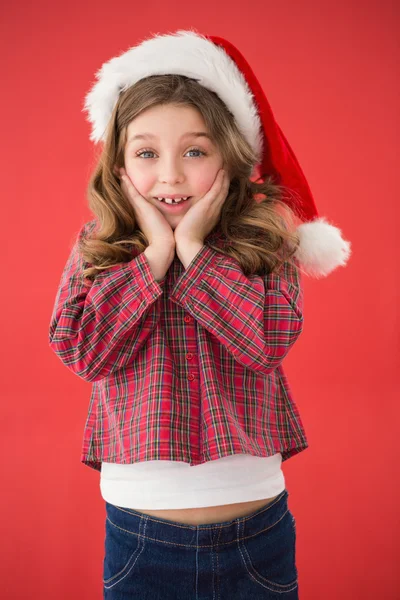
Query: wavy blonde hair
x,y
256,224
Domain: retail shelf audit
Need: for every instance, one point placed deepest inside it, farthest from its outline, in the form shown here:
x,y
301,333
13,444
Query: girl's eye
x,y
144,152
197,150
151,152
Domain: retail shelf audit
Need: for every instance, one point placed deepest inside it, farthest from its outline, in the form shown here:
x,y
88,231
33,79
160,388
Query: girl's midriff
x,y
208,514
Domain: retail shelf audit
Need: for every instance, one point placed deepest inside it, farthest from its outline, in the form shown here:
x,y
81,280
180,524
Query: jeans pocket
x,y
122,553
269,556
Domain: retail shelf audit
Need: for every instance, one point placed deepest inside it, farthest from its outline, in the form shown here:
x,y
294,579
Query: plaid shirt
x,y
188,368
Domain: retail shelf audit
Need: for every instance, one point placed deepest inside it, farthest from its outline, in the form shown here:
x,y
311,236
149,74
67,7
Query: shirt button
x,y
189,356
190,376
187,318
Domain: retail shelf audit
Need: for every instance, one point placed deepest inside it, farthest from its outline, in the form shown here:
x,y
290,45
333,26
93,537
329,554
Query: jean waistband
x,y
160,530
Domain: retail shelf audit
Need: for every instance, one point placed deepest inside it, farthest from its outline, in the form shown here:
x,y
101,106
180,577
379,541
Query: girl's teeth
x,y
170,201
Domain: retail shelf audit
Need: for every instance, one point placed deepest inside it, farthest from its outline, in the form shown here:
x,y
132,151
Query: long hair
x,y
256,225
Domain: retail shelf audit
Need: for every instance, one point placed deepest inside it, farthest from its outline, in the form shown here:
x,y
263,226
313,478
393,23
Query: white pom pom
x,y
322,248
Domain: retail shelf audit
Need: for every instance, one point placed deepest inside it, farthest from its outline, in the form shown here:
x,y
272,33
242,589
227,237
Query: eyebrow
x,y
142,136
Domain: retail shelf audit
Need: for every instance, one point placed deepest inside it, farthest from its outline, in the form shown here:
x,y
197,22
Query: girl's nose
x,y
171,173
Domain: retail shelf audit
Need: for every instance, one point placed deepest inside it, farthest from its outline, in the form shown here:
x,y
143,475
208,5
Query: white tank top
x,y
164,484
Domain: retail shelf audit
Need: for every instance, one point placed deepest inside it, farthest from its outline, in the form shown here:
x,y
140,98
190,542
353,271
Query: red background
x,y
329,72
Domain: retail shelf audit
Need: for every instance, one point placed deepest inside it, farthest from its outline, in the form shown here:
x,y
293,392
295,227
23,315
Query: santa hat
x,y
218,66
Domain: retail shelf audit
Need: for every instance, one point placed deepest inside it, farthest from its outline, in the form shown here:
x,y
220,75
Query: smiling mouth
x,y
170,201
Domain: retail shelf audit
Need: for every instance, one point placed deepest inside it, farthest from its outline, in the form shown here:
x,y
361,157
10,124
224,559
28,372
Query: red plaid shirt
x,y
188,368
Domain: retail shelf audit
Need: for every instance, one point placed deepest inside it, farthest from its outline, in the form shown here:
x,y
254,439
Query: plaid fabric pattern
x,y
188,368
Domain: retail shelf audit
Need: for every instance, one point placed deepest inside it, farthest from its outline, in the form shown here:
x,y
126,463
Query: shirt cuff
x,y
143,276
195,272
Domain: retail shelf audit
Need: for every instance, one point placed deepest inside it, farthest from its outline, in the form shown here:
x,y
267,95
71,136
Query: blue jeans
x,y
251,557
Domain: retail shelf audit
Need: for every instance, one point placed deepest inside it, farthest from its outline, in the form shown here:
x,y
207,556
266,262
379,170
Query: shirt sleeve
x,y
256,318
99,326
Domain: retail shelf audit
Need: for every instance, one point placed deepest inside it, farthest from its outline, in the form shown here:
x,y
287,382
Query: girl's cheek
x,y
142,183
204,181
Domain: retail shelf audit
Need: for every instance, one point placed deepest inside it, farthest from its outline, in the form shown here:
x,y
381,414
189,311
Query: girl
x,y
179,302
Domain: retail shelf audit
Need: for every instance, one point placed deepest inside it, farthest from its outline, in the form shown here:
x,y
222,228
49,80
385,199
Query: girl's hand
x,y
200,219
150,220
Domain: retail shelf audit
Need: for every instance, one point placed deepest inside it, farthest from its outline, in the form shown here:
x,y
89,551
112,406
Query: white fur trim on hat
x,y
183,53
322,248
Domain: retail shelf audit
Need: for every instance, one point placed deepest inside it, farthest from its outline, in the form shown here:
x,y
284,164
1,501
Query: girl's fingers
x,y
132,191
219,183
224,179
222,184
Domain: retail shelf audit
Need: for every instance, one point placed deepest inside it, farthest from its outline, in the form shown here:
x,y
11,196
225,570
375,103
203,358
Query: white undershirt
x,y
164,484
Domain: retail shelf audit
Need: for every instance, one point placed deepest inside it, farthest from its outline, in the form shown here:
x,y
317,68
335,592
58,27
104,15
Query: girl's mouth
x,y
171,205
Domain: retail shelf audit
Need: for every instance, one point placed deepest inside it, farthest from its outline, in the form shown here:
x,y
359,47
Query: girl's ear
x,y
116,171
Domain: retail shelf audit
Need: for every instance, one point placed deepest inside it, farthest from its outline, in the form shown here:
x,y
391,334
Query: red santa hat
x,y
218,66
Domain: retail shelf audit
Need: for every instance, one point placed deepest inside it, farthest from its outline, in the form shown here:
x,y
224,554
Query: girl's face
x,y
170,157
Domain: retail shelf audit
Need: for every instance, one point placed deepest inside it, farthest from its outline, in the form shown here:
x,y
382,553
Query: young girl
x,y
179,302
